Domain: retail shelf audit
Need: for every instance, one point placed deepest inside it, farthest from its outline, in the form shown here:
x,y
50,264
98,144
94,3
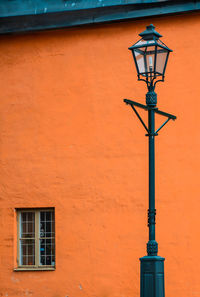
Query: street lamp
x,y
150,56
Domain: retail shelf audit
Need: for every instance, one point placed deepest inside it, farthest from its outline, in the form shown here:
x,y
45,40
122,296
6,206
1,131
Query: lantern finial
x,y
150,33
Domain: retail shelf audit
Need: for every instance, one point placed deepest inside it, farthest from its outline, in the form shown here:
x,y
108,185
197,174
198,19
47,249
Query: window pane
x,y
48,216
52,216
27,249
47,251
27,225
47,228
42,216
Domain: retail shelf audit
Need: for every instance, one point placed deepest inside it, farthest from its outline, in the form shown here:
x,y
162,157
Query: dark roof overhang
x,y
22,15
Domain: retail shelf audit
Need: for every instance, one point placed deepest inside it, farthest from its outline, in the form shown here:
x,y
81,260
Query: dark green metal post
x,y
150,55
151,211
152,266
152,246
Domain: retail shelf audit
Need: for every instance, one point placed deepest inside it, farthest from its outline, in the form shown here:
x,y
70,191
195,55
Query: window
x,y
36,238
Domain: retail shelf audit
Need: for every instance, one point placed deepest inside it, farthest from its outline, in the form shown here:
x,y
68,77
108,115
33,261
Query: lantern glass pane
x,y
141,42
140,61
161,60
150,63
150,58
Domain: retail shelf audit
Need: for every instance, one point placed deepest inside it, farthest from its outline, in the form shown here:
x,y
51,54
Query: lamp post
x,y
150,56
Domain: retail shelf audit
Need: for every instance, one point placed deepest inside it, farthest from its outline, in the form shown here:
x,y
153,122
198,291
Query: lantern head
x,y
150,55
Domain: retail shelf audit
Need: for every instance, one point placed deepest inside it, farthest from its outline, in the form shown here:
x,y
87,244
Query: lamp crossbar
x,y
156,110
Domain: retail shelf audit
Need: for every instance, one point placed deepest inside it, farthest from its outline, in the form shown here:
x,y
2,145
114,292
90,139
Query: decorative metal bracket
x,y
151,217
152,248
156,110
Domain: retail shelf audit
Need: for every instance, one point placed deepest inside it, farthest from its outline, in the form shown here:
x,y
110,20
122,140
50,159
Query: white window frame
x,y
37,239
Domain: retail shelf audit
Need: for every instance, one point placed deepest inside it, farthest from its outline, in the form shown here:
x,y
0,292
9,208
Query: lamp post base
x,y
152,276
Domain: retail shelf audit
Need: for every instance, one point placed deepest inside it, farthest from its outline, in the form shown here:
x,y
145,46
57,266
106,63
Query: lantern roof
x,y
150,37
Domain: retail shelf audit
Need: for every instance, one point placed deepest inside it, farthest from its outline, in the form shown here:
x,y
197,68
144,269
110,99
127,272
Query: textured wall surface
x,y
68,141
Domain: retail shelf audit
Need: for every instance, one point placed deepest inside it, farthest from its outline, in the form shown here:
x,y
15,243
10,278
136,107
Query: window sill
x,y
34,269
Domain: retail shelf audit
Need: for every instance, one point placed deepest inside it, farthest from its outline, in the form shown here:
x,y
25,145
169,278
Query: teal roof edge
x,y
24,16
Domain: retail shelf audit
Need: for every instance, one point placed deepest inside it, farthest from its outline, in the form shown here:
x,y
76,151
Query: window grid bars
x,y
47,237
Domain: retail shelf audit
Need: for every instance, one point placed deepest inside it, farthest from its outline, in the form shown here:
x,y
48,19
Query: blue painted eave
x,y
32,15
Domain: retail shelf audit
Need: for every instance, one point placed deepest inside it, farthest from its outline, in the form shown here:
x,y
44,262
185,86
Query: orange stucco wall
x,y
68,141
